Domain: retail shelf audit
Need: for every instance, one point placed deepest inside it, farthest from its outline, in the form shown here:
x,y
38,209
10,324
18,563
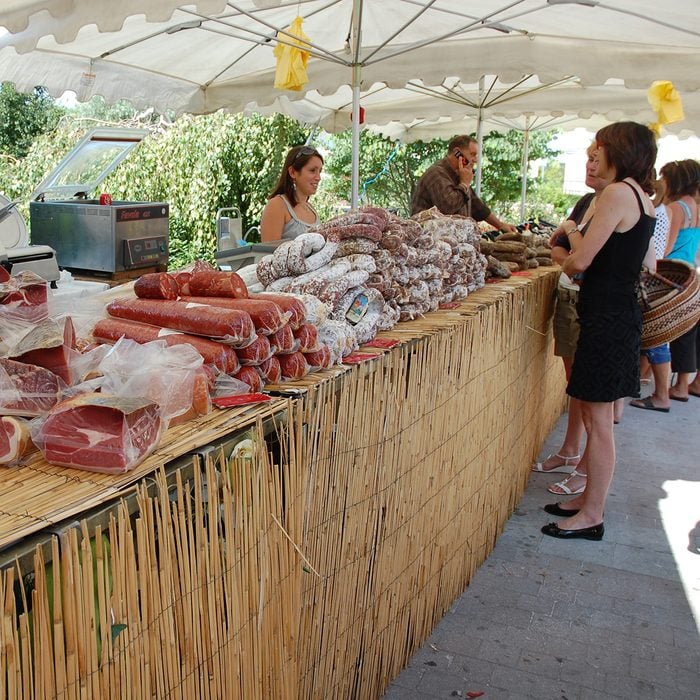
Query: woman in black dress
x,y
606,364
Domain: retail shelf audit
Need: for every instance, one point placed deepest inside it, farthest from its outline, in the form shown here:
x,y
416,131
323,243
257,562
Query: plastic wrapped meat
x,y
15,440
293,366
27,390
256,352
284,341
291,305
99,432
268,317
270,370
50,344
250,376
319,359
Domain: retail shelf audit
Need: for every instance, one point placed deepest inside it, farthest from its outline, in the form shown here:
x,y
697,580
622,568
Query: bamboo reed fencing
x,y
314,568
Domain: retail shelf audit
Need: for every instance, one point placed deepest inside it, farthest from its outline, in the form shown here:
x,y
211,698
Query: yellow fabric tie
x,y
666,102
290,73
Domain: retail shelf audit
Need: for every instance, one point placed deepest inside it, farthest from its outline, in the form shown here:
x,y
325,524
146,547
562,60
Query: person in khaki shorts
x,y
566,329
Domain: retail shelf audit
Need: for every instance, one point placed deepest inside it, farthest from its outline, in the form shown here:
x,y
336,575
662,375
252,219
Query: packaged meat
x,y
267,315
289,304
157,285
50,344
216,283
15,440
230,326
284,341
270,370
109,330
27,390
250,376
99,432
307,335
201,398
256,352
293,366
24,296
319,359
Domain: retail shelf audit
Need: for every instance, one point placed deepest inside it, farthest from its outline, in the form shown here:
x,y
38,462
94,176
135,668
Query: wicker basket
x,y
670,300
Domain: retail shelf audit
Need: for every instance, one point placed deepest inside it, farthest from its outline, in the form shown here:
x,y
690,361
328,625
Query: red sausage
x,y
251,377
270,370
156,285
307,336
231,325
256,352
214,283
221,356
267,316
289,304
294,366
284,341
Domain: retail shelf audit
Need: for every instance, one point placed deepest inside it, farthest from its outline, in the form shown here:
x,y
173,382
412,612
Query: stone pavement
x,y
579,620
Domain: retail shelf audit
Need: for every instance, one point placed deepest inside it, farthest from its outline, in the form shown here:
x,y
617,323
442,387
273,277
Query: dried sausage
x,y
214,283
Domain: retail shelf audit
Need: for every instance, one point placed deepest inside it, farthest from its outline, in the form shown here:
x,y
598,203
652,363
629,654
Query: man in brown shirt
x,y
447,185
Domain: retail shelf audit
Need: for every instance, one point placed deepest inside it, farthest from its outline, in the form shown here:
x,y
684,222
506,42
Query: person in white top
x,y
288,212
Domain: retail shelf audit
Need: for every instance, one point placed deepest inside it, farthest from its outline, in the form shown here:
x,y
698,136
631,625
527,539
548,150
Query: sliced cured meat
x,y
100,433
267,316
156,285
294,366
230,326
284,341
270,370
27,390
15,440
256,352
201,398
307,335
52,345
215,283
289,304
251,377
109,330
319,359
183,282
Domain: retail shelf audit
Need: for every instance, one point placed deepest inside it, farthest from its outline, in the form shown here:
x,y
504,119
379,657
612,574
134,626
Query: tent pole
x,y
479,136
355,141
523,184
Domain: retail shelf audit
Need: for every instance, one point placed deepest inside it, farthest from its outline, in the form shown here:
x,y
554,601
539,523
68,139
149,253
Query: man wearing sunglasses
x,y
447,185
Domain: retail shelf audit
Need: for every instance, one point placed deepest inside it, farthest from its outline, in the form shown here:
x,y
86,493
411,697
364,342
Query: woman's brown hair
x,y
681,177
631,149
297,158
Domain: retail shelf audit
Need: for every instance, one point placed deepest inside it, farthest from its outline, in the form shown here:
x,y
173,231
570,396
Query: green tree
x,y
24,117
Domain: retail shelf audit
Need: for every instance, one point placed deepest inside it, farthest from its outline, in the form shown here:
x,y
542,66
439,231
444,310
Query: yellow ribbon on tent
x,y
290,73
666,102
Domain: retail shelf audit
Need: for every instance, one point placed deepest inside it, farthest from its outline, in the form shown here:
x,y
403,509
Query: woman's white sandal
x,y
570,464
564,485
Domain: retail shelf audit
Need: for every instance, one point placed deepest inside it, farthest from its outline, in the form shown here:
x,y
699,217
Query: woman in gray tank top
x,y
288,212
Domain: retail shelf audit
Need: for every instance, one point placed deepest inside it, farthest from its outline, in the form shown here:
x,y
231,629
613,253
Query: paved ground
x,y
552,619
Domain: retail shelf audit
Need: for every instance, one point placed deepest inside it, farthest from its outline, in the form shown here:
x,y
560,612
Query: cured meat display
x,y
251,377
27,390
230,326
284,341
222,356
293,366
15,440
157,285
307,335
270,370
290,304
256,352
99,432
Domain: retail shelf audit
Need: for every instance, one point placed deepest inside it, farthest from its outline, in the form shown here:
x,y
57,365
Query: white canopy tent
x,y
213,54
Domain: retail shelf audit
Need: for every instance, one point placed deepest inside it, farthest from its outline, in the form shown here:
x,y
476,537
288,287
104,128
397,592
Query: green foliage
x,y
24,117
198,165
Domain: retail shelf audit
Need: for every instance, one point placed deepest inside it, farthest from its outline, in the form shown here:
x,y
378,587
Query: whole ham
x,y
230,326
99,432
109,330
27,390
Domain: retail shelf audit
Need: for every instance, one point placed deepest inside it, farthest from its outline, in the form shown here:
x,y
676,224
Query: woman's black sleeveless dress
x,y
606,363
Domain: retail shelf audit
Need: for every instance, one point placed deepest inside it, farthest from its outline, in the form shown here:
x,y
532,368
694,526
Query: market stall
x,y
309,564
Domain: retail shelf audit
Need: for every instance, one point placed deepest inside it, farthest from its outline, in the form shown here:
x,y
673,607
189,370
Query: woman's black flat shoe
x,y
584,533
556,509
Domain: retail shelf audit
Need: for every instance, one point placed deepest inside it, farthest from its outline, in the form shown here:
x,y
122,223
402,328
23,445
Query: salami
x,y
307,336
214,283
319,359
256,352
231,326
294,366
109,330
156,285
289,304
251,377
284,341
270,370
267,316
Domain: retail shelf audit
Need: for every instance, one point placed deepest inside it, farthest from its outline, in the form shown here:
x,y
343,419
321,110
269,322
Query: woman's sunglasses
x,y
305,151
